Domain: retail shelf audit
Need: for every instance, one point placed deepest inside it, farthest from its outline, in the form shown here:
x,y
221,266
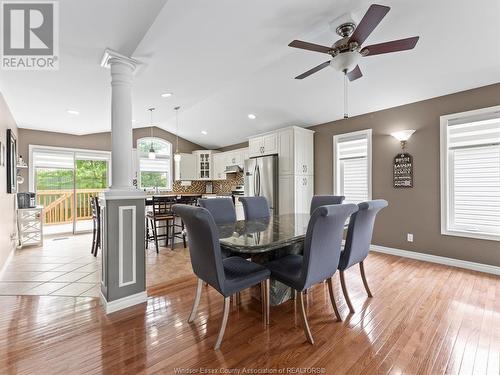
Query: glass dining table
x,y
264,240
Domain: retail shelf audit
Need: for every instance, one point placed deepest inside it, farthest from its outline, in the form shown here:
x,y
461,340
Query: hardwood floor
x,y
423,319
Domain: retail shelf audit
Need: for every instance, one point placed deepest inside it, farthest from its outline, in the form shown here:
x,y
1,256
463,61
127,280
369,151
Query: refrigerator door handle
x,y
255,180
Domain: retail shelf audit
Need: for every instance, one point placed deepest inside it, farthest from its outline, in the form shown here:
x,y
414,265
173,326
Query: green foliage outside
x,y
153,179
89,174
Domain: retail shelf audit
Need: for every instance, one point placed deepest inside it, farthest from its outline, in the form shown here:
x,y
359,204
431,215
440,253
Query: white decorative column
x,y
122,206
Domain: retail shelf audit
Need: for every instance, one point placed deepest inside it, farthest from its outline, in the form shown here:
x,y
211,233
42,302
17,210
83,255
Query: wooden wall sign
x,y
403,171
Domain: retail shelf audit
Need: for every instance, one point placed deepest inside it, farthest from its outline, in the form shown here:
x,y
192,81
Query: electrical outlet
x,y
409,237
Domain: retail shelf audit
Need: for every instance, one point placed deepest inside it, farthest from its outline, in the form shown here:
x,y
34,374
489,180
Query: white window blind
x,y
472,176
154,165
48,158
352,152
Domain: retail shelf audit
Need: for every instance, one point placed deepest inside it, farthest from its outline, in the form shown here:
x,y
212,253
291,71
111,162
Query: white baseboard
x,y
6,264
124,302
486,268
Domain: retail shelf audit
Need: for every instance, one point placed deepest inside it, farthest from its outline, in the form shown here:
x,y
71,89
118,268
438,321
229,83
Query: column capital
x,y
110,57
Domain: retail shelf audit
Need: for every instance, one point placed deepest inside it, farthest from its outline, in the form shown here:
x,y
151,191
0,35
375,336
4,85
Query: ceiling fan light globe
x,y
345,61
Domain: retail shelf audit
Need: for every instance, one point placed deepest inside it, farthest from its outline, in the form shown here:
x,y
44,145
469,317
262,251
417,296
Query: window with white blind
x,y
470,174
155,169
352,160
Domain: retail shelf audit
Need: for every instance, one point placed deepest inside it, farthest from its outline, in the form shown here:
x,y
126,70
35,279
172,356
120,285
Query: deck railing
x,y
59,205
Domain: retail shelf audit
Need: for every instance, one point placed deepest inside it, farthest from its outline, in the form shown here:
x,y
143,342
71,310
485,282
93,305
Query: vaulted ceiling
x,y
224,59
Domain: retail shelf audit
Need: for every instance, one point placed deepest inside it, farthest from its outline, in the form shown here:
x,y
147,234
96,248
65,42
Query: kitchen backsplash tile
x,y
226,186
219,187
197,187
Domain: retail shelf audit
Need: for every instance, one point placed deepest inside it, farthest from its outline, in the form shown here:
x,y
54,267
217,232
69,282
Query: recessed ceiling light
x,y
73,112
251,116
166,95
204,132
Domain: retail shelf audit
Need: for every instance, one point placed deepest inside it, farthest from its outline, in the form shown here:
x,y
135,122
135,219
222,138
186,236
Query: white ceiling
x,y
223,59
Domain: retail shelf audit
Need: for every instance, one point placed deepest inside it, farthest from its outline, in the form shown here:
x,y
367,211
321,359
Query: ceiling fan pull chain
x,y
346,99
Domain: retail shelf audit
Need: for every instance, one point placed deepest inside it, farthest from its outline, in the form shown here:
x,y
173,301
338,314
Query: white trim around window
x,y
349,161
162,163
470,174
73,155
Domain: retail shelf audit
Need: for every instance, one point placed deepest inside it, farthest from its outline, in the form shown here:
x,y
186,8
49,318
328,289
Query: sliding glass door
x,y
65,180
91,177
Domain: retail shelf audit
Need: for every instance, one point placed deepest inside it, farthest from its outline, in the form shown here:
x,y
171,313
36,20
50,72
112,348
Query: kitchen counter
x,y
176,194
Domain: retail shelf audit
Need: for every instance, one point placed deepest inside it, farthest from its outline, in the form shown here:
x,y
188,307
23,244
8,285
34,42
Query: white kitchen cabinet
x,y
219,166
185,170
295,194
266,144
286,154
255,147
286,194
245,156
304,191
303,154
237,157
296,169
296,154
204,164
234,157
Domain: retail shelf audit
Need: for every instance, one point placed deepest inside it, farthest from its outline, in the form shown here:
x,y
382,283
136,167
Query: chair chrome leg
x,y
222,329
196,301
264,287
332,298
268,301
344,291
307,330
365,282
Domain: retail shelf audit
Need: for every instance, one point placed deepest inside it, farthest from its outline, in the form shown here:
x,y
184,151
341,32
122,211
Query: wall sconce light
x,y
403,136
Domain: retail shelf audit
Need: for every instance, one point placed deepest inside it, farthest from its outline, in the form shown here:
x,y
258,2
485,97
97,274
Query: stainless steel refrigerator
x,y
261,179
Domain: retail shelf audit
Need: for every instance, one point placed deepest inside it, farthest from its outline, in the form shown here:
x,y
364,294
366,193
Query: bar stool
x,y
163,218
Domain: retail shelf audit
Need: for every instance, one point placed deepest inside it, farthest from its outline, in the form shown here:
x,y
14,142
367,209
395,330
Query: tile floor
x,y
63,266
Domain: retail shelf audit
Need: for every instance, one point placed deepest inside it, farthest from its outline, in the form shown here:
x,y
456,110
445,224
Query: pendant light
x,y
177,155
152,153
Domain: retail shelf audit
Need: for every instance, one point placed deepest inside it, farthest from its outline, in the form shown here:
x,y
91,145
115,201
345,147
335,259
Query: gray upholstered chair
x,y
320,259
357,244
255,207
228,276
325,200
222,209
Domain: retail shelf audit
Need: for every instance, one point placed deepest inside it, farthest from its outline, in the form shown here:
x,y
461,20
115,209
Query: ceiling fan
x,y
346,52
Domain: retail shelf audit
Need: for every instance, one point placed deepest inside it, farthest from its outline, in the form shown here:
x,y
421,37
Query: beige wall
x,y
97,141
415,210
233,147
7,201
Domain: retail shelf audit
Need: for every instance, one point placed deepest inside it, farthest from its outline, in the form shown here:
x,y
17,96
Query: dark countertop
x,y
261,235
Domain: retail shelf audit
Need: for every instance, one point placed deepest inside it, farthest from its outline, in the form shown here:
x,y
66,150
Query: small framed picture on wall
x,y
11,162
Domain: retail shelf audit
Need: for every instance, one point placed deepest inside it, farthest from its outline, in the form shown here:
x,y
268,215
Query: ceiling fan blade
x,y
355,74
371,19
310,46
388,47
313,70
